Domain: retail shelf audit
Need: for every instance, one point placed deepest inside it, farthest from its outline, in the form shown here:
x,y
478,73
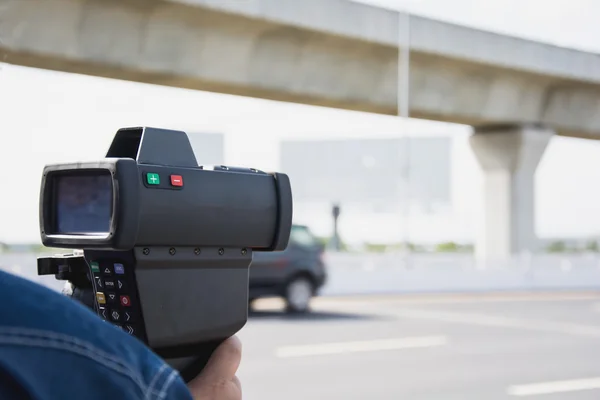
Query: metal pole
x,y
403,64
404,112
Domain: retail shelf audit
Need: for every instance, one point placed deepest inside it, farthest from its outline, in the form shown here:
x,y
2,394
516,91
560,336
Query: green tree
x,y
592,246
376,247
38,248
557,247
468,248
325,241
447,247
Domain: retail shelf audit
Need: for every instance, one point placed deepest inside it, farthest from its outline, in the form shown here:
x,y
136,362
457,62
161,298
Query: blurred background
x,y
443,156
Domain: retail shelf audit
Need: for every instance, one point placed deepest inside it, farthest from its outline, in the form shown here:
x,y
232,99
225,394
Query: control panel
x,y
152,180
116,296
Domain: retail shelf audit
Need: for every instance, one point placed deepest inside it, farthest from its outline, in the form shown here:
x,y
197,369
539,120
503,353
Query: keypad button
x,y
116,316
152,178
104,313
119,269
106,270
94,266
112,298
109,284
100,298
125,301
98,283
176,180
121,284
131,329
128,316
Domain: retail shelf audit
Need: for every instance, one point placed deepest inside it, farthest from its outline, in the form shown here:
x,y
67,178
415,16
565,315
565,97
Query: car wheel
x,y
298,293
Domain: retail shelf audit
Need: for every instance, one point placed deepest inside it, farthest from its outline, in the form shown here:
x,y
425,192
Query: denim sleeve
x,y
53,348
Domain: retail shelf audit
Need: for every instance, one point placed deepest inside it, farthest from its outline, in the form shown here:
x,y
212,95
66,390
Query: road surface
x,y
480,347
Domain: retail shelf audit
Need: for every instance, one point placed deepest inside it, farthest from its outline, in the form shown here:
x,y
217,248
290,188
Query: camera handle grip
x,y
190,367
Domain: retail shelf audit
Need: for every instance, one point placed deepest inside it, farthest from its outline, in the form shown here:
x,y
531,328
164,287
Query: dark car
x,y
295,274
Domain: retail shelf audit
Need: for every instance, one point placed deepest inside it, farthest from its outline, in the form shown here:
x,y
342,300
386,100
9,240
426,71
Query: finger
x,y
223,364
237,383
235,389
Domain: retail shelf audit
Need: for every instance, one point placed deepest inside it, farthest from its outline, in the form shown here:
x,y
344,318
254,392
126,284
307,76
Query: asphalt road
x,y
544,347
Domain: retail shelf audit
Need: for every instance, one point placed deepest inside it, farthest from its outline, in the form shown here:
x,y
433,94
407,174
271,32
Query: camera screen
x,y
83,203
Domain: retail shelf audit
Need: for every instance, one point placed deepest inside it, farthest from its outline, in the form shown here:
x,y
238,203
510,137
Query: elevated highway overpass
x,y
332,53
335,53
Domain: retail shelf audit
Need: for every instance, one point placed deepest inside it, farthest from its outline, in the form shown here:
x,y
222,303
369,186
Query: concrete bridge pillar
x,y
508,156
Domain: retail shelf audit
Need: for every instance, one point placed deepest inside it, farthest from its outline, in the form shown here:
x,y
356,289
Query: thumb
x,y
222,365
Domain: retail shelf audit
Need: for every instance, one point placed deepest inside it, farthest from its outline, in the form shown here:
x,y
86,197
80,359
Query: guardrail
x,y
422,273
368,273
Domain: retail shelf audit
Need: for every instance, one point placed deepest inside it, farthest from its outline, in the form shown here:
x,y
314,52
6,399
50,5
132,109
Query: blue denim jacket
x,y
53,348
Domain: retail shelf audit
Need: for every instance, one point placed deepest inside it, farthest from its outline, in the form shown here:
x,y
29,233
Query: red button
x,y
176,180
125,302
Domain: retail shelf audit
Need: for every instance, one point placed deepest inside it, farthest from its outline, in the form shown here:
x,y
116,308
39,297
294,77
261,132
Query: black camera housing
x,y
169,249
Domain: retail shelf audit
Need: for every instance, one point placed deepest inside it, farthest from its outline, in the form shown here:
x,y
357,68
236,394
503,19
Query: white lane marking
x,y
536,389
374,299
368,300
360,346
503,322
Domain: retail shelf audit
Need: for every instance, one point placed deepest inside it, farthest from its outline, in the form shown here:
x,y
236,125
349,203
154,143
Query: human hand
x,y
217,381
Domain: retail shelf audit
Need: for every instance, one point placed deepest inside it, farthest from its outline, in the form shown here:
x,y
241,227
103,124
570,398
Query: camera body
x,y
167,244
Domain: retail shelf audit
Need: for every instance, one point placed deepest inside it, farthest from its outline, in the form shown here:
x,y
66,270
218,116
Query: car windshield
x,y
301,236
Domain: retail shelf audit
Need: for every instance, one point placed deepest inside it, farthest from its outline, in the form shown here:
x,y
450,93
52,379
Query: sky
x,y
54,117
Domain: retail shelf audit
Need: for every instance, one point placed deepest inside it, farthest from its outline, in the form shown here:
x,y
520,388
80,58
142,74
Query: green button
x,y
95,267
152,179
